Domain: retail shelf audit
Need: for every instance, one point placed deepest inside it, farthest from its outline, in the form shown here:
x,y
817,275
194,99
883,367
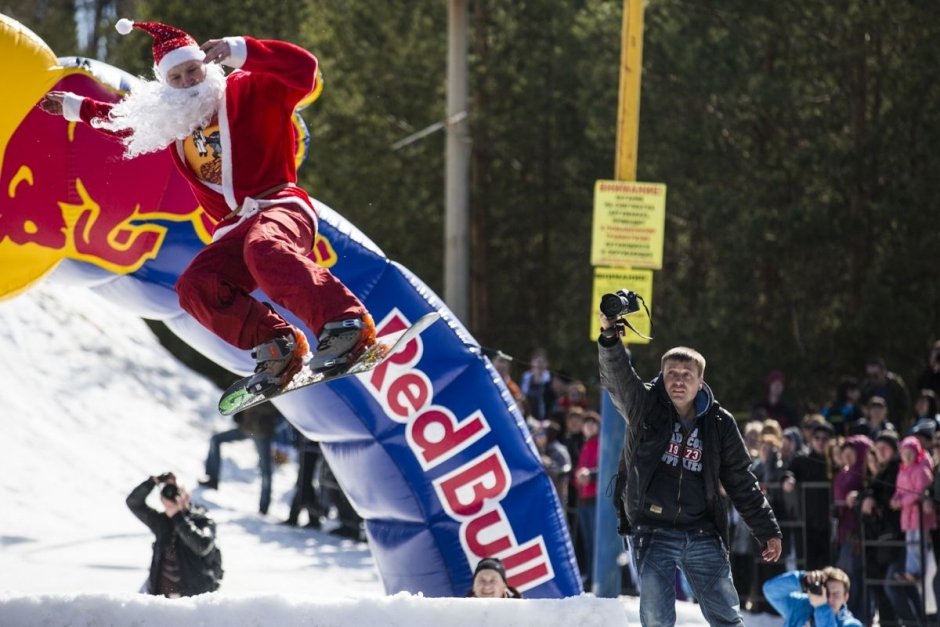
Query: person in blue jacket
x,y
820,595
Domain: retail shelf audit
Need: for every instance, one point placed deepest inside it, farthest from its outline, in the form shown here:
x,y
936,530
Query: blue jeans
x,y
587,517
912,563
263,445
703,559
905,599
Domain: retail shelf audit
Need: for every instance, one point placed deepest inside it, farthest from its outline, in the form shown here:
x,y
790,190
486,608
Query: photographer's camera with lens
x,y
622,303
814,582
170,491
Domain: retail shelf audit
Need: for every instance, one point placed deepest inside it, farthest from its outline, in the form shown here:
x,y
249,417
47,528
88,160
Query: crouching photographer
x,y
819,596
186,560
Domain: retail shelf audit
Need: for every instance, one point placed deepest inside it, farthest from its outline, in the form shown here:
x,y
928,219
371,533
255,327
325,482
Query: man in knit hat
x,y
232,139
489,581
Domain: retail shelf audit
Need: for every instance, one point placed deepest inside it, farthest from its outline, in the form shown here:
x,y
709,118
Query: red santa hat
x,y
171,46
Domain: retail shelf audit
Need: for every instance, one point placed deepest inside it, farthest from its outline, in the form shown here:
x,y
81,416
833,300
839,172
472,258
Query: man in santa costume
x,y
232,138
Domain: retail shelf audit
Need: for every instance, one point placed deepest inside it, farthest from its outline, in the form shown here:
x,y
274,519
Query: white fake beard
x,y
158,114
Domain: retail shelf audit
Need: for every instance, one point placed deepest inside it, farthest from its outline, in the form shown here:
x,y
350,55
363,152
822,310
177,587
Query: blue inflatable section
x,y
429,447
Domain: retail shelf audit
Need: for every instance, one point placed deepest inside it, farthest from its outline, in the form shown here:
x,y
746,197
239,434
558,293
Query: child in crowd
x,y
914,477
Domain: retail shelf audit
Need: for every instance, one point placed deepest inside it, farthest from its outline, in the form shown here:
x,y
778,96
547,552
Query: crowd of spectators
x,y
852,481
316,491
565,429
854,485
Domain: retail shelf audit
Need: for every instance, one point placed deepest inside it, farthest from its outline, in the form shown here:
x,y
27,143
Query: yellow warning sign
x,y
629,222
612,280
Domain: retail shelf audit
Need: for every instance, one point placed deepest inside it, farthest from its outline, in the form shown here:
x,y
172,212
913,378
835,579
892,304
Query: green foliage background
x,y
798,140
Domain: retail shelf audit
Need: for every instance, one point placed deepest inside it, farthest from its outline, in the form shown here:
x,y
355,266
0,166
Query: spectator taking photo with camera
x,y
816,596
186,560
682,451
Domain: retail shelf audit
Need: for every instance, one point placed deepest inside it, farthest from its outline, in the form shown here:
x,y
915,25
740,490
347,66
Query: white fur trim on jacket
x,y
252,206
225,139
72,107
238,52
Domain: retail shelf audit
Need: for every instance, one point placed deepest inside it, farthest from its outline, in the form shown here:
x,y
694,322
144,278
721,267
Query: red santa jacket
x,y
255,126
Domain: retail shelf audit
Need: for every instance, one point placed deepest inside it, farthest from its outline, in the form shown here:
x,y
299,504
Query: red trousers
x,y
267,251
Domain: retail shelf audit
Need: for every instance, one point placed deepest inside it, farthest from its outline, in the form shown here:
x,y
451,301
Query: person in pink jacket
x,y
914,478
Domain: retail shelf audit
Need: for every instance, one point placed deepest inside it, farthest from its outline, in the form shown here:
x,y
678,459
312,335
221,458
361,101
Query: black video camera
x,y
620,303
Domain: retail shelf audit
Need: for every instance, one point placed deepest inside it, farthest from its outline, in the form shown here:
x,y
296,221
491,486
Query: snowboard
x,y
237,398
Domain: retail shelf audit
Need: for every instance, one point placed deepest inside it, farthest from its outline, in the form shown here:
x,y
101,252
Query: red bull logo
x,y
71,194
471,493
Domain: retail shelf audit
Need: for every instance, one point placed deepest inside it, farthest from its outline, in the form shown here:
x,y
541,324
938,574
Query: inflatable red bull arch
x,y
429,447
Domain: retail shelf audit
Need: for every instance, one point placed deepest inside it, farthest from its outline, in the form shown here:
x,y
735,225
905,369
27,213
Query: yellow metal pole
x,y
607,543
628,113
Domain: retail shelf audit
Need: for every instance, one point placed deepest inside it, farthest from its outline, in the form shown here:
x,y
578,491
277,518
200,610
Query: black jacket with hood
x,y
650,417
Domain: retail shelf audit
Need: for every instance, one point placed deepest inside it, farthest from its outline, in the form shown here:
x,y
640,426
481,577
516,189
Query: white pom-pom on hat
x,y
124,26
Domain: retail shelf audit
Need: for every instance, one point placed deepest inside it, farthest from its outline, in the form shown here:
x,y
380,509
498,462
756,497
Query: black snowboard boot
x,y
342,341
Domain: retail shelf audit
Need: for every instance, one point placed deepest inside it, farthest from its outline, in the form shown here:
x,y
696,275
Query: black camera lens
x,y
611,305
170,492
618,304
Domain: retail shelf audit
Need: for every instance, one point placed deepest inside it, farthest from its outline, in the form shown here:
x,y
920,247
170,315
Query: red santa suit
x,y
244,162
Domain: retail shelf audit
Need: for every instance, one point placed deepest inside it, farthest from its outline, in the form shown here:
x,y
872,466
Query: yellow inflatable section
x,y
30,65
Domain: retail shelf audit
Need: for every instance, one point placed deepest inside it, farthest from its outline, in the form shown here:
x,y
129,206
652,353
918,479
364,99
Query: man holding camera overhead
x,y
682,449
817,595
186,560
